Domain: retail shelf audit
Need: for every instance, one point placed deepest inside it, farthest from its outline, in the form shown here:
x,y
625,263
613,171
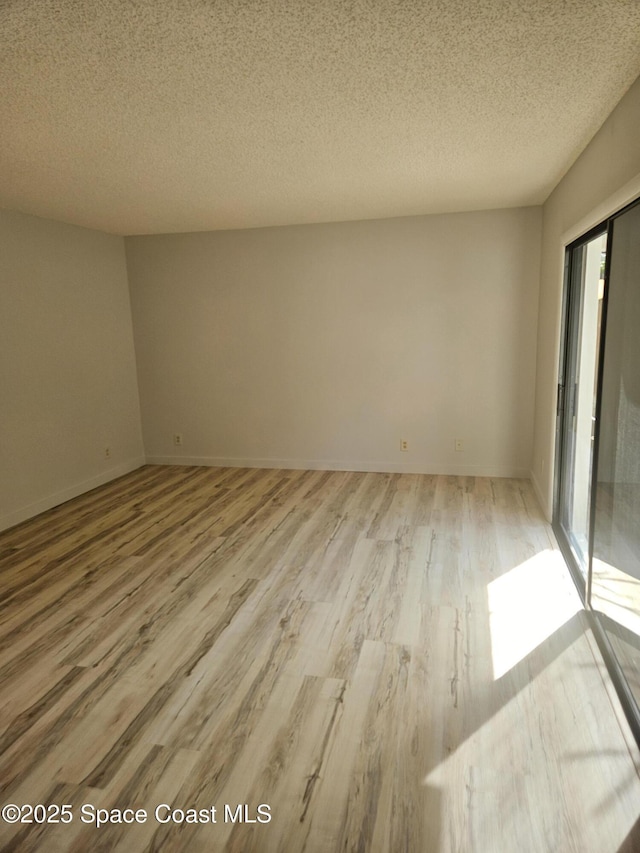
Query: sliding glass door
x,y
597,488
615,582
577,393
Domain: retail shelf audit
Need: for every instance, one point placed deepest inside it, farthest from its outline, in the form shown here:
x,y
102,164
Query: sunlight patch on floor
x,y
526,605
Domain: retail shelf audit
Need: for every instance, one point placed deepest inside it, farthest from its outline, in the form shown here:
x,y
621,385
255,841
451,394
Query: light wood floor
x,y
389,662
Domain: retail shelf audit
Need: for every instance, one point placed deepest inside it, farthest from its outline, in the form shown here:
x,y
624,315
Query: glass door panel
x,y
578,393
615,582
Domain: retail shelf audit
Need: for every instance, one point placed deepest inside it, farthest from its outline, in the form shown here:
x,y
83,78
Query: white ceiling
x,y
149,116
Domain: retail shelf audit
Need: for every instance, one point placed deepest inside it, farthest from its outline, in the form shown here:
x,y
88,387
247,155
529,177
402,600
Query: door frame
x,y
570,307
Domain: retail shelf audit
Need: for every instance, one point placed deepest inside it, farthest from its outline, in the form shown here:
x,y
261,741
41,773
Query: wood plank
x,y
326,643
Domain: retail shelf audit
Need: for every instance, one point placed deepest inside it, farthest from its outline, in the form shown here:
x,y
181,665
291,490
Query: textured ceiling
x,y
147,116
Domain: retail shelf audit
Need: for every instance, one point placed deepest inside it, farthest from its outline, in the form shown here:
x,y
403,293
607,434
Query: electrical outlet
x,y
404,445
177,439
459,446
107,453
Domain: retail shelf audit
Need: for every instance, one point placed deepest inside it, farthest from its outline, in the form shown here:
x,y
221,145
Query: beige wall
x,y
308,345
324,345
67,366
605,177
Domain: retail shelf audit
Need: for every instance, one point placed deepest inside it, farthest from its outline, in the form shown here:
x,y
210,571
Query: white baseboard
x,y
50,501
344,465
26,512
544,505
